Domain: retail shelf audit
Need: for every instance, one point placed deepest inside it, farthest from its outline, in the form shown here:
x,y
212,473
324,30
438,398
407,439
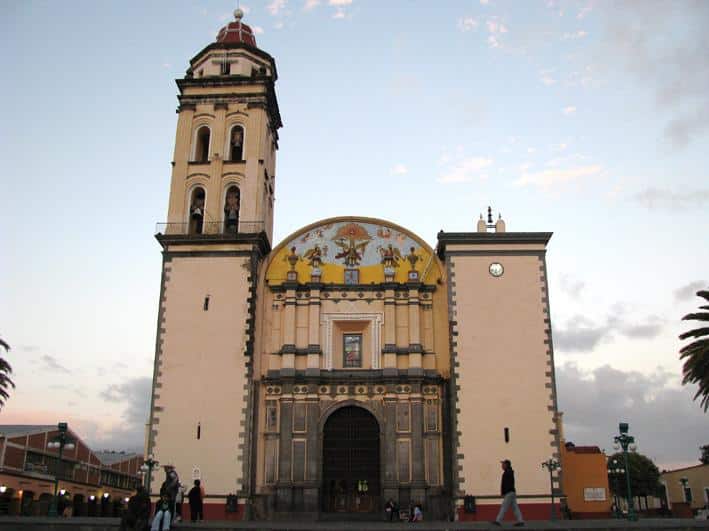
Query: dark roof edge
x,y
490,238
236,45
258,240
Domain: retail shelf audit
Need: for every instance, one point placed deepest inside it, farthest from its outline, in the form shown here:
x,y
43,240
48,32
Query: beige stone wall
x,y
218,174
697,480
504,373
201,371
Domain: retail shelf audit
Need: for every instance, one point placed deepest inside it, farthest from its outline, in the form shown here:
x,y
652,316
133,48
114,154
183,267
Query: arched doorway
x,y
351,481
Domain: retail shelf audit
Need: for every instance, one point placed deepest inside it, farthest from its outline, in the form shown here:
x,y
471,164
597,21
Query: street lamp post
x,y
551,465
624,441
61,441
615,470
147,468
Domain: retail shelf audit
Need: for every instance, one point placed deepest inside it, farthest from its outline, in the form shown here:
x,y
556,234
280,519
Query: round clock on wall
x,y
496,269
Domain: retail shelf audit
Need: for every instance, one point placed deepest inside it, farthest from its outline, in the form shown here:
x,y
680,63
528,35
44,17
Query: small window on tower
x,y
201,152
225,68
231,210
236,143
197,211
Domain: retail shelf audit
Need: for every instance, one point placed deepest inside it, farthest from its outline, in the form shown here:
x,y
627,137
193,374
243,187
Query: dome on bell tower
x,y
237,32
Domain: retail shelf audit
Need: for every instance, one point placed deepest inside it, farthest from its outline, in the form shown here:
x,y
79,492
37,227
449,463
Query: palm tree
x,y
696,354
5,371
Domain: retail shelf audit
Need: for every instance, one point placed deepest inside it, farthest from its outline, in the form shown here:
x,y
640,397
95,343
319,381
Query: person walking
x,y
509,495
196,502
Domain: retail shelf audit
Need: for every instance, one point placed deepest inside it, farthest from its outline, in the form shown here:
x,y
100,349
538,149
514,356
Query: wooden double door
x,y
351,470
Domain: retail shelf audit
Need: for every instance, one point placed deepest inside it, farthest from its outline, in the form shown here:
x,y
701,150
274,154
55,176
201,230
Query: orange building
x,y
585,481
90,483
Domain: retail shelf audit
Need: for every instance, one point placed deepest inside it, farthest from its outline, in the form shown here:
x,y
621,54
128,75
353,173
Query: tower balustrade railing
x,y
209,229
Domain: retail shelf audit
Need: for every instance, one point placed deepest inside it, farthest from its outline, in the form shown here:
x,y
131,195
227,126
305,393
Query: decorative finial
x,y
489,214
238,14
499,215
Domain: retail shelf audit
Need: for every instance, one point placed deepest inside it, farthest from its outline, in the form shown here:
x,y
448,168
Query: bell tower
x,y
219,228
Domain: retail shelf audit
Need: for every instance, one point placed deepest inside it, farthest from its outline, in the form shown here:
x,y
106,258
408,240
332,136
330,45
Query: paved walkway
x,y
111,524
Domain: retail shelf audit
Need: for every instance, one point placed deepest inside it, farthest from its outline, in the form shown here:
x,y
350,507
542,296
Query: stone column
x,y
415,349
314,349
284,492
418,458
389,348
288,348
390,485
311,495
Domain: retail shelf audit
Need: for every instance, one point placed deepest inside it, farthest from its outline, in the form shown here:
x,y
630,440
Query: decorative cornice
x,y
259,241
446,239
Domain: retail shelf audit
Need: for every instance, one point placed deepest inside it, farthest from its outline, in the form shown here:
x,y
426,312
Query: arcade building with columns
x,y
349,363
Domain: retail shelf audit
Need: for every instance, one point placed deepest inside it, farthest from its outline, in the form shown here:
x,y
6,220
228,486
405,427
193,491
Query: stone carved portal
x,y
351,480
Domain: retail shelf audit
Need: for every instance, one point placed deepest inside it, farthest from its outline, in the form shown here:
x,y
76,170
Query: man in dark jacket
x,y
195,496
137,514
509,496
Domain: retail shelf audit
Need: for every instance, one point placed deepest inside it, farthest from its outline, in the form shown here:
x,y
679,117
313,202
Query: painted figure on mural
x,y
390,256
352,239
314,256
412,257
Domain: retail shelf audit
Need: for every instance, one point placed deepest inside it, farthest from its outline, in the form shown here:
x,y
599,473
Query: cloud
x,y
258,30
465,170
276,6
311,4
546,77
338,14
484,2
399,169
467,24
552,177
584,11
579,335
569,110
644,40
51,364
571,287
656,198
582,335
28,348
339,3
580,34
687,126
135,394
689,291
595,402
495,29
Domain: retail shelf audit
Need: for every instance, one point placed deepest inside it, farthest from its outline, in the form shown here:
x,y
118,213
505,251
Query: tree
x,y
5,371
696,354
644,476
704,458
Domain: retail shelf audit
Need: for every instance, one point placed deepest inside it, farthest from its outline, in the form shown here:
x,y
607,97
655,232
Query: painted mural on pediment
x,y
377,251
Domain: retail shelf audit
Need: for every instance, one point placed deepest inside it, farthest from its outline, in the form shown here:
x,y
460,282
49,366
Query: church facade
x,y
349,364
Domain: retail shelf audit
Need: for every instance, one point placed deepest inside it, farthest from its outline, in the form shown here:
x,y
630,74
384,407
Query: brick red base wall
x,y
215,511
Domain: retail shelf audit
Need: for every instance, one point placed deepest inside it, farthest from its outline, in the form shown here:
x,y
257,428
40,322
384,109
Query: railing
x,y
209,228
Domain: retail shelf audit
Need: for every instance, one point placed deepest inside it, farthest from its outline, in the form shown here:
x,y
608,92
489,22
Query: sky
x,y
587,119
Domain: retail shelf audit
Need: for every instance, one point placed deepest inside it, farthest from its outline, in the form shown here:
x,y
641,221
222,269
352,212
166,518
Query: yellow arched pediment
x,y
369,245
